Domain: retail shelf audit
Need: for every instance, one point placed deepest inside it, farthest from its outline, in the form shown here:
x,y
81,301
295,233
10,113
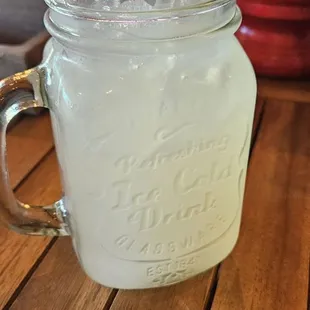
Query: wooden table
x,y
268,269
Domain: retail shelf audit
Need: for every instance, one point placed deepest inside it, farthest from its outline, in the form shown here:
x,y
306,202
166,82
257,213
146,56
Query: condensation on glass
x,y
152,106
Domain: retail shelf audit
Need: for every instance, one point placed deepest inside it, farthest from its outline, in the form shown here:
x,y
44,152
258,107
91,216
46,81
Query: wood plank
x,y
269,267
59,282
28,143
192,294
298,91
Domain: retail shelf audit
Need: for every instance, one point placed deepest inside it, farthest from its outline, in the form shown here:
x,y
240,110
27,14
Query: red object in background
x,y
276,36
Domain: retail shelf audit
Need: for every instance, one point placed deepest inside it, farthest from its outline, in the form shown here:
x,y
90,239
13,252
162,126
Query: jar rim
x,y
78,41
118,30
102,14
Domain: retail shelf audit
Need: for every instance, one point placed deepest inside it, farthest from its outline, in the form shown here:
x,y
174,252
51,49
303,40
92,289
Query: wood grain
x,y
27,143
192,294
269,267
59,282
296,91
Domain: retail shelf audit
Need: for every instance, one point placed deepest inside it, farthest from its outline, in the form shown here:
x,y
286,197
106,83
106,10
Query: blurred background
x,y
22,35
20,20
274,33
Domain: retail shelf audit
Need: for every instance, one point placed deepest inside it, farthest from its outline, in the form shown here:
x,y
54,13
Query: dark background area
x,y
20,19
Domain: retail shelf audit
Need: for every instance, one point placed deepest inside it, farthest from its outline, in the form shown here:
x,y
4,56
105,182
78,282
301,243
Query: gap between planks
x,y
45,251
28,141
29,274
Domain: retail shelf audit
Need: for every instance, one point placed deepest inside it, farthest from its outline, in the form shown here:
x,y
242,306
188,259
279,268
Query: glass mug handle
x,y
21,217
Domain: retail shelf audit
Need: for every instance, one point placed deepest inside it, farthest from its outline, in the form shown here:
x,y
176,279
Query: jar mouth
x,y
135,12
154,26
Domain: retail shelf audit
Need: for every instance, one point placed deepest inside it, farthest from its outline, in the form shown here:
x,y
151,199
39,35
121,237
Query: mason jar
x,y
152,107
